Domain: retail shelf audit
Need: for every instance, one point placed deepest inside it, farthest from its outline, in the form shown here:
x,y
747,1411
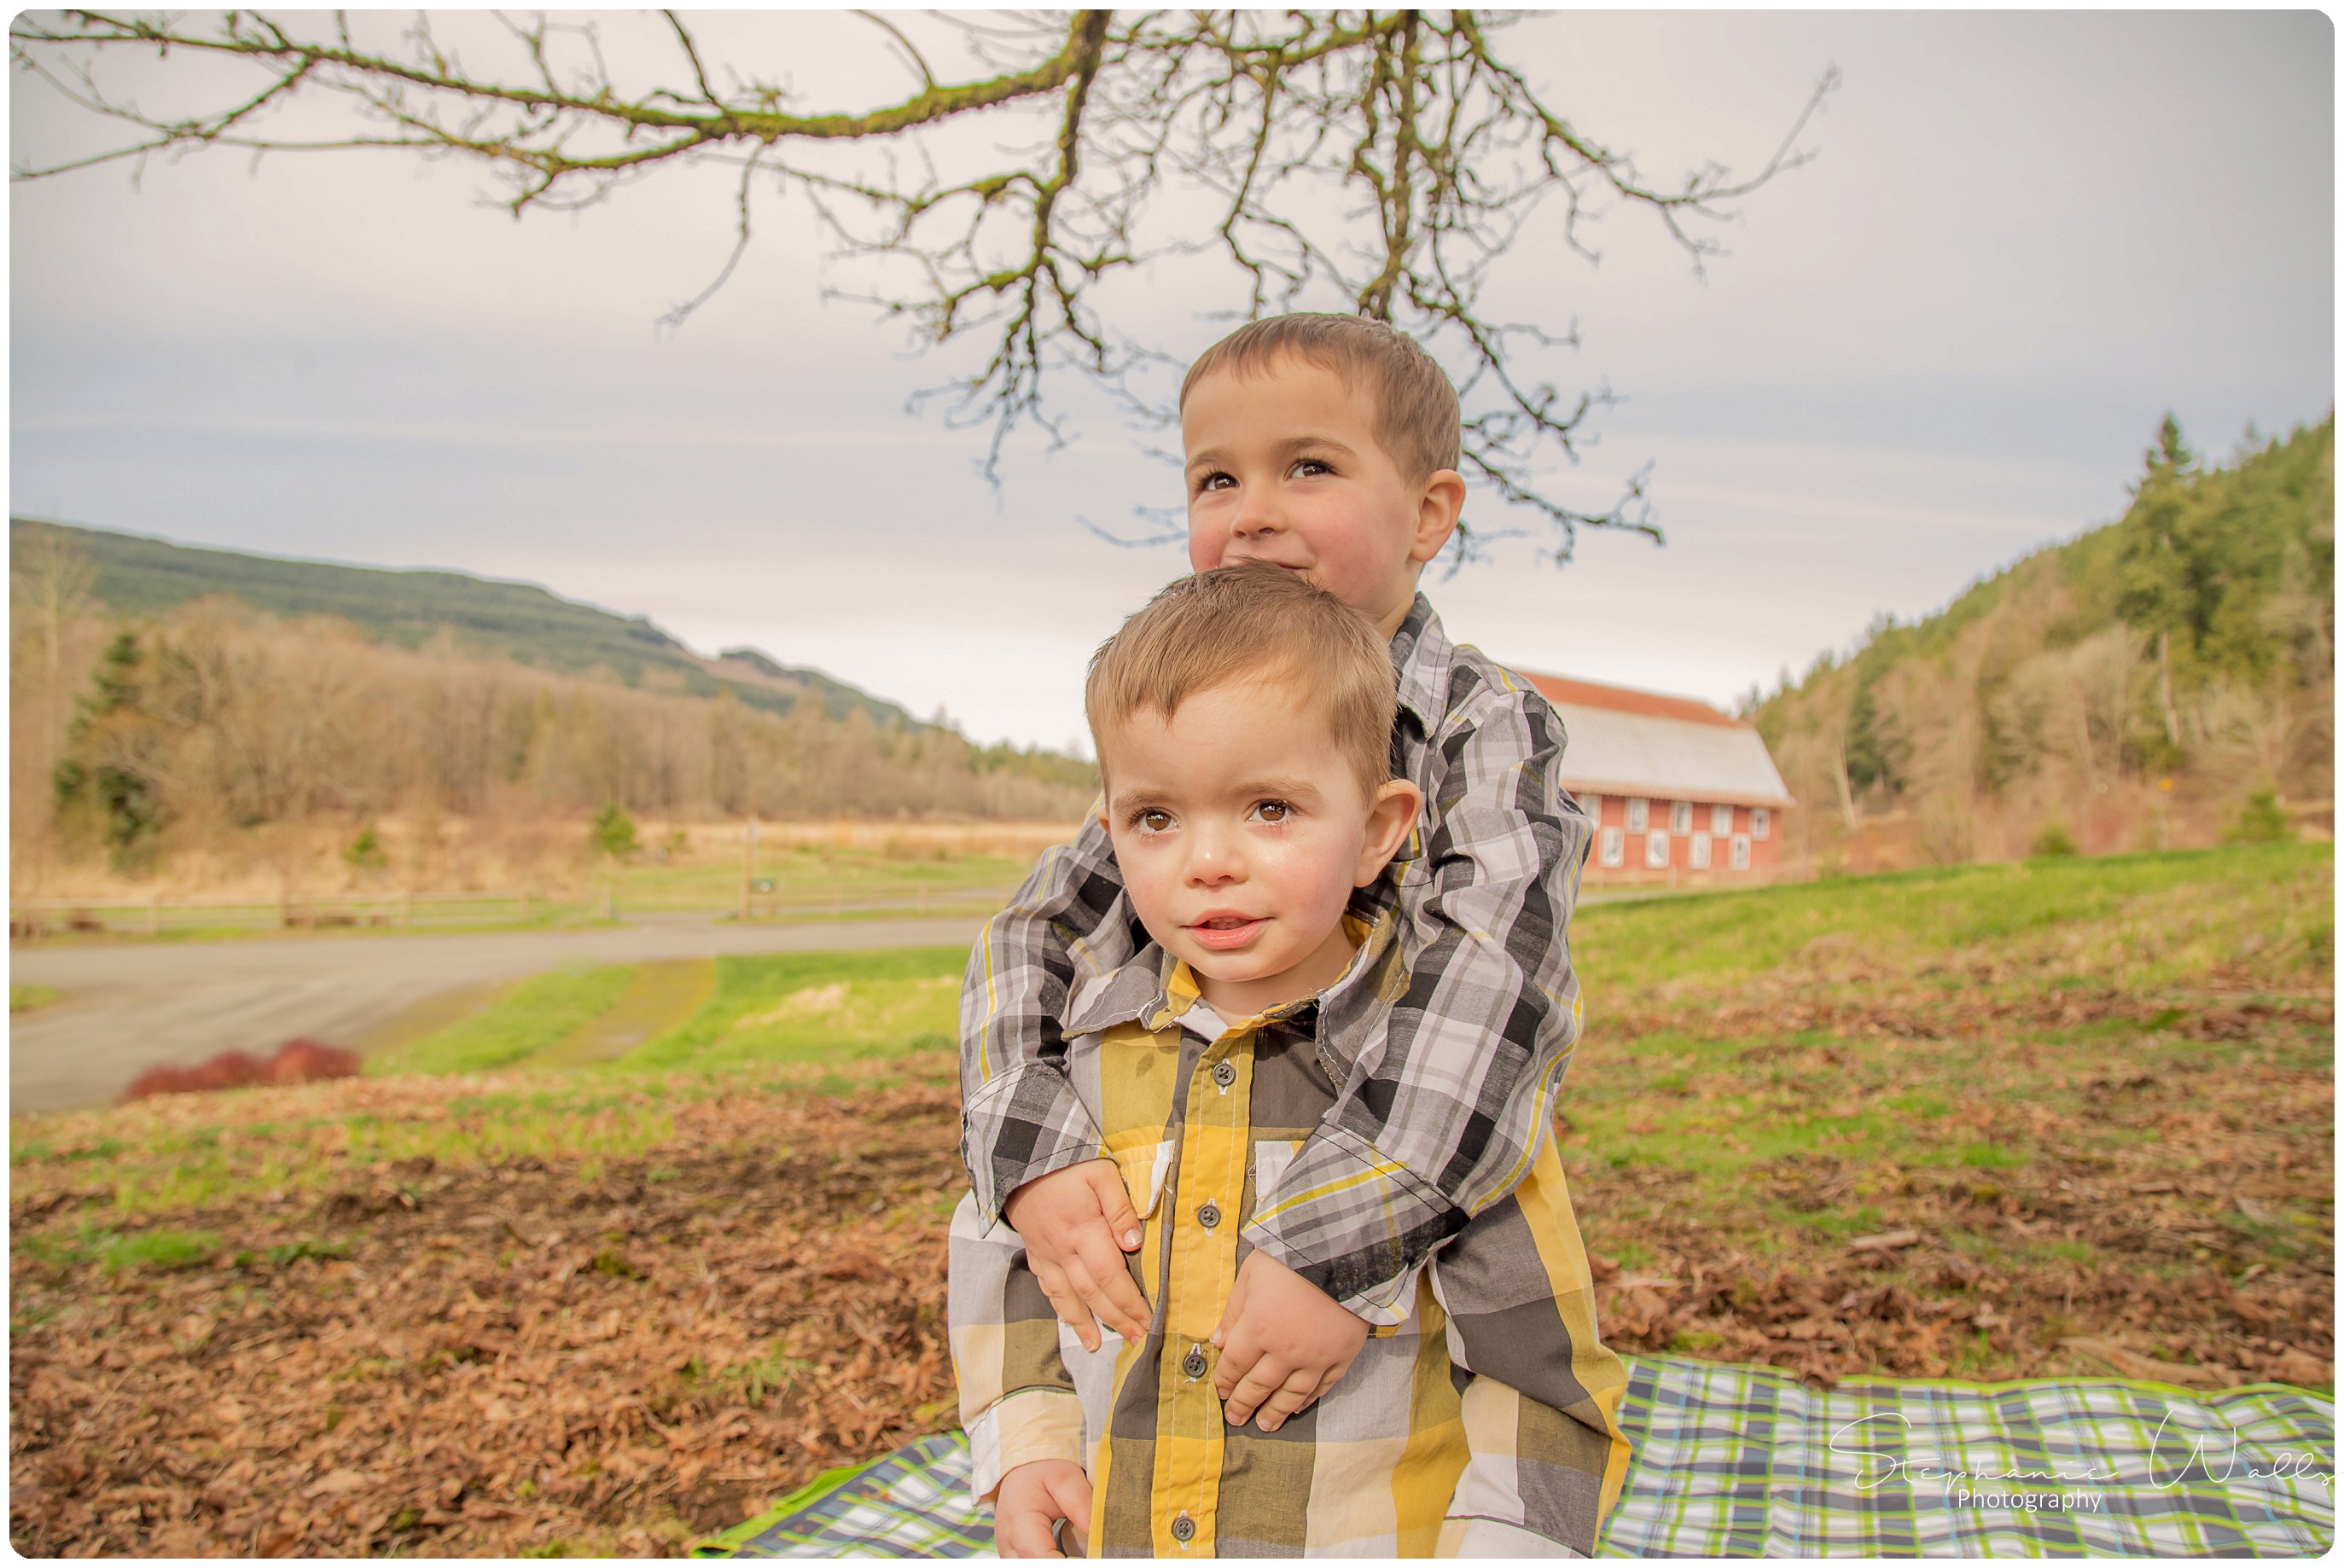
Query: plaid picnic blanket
x,y
1748,1461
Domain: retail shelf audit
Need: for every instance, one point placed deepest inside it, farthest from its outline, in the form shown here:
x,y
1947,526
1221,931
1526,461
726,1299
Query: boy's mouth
x,y
1227,931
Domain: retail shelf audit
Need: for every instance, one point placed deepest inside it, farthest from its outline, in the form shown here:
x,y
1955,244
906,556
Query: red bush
x,y
159,1081
306,1061
297,1061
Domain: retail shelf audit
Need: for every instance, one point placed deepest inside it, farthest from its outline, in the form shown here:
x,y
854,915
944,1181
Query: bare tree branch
x,y
1382,162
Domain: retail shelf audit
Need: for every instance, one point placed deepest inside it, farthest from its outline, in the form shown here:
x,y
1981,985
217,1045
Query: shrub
x,y
365,853
613,832
2052,841
296,1062
2259,821
310,1061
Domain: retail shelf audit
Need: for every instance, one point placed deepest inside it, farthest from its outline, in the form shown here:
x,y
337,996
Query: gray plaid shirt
x,y
1444,1093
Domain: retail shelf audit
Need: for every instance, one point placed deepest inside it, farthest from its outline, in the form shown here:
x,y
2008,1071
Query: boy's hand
x,y
1076,1224
1032,1497
1284,1341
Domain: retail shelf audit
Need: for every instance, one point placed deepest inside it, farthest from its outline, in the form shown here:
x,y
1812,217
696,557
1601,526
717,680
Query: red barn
x,y
1677,791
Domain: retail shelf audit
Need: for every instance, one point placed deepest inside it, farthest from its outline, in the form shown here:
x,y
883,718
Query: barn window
x,y
1721,821
1611,848
1758,817
1740,851
1681,817
1656,850
1637,808
1594,806
1697,856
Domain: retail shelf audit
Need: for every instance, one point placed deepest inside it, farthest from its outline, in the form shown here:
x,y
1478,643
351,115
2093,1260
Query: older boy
x,y
1326,446
1242,721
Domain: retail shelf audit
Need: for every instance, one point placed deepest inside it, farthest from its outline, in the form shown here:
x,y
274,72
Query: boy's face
x,y
1241,834
1283,466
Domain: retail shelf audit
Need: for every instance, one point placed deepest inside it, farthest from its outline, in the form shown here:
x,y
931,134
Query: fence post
x,y
153,914
837,902
524,905
923,898
406,906
748,865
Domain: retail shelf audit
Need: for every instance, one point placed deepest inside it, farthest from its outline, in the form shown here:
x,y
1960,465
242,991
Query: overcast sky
x,y
1945,341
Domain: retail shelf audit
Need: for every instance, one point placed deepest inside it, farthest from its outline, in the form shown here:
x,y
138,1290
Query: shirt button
x,y
1224,1073
1193,1363
1208,1216
1184,1529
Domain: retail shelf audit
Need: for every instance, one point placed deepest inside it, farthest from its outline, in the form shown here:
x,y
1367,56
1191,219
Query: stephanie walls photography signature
x,y
1926,1466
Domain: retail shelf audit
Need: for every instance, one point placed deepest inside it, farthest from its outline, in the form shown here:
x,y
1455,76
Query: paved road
x,y
133,1007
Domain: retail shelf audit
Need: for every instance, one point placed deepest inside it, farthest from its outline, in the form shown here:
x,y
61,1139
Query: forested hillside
x,y
2167,681
211,724
136,576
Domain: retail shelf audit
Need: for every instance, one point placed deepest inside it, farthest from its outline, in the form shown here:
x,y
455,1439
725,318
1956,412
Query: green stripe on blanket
x,y
1748,1461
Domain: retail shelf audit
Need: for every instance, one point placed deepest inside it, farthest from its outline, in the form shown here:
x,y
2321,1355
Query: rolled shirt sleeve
x,y
1444,1104
1017,1400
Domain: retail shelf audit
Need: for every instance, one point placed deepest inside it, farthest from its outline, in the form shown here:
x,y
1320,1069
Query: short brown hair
x,y
1251,621
1416,418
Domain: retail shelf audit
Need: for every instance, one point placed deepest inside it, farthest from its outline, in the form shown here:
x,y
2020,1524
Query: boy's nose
x,y
1256,515
1214,859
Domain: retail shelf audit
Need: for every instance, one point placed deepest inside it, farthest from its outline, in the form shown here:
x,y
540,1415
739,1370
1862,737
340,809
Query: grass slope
x,y
137,575
2126,920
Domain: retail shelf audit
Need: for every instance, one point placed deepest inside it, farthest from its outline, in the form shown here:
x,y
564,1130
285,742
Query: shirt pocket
x,y
1271,1158
1143,1168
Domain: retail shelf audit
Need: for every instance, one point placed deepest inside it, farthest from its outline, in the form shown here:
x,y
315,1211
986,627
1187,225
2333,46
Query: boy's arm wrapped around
x,y
1451,1091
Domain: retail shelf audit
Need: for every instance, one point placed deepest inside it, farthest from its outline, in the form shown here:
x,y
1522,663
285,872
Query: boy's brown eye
x,y
1273,810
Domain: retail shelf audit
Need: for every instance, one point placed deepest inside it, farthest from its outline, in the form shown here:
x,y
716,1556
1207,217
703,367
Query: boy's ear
x,y
1437,511
1389,818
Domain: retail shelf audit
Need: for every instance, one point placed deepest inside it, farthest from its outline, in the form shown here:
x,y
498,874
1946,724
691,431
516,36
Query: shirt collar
x,y
1421,655
1155,990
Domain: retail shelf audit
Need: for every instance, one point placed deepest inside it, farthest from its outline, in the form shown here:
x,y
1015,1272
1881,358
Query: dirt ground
x,y
489,1354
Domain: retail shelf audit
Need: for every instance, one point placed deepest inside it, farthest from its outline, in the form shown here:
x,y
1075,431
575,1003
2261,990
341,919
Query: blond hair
x,y
1251,622
1417,417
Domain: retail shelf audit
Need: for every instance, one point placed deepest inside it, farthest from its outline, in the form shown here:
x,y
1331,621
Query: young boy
x,y
1243,722
1326,446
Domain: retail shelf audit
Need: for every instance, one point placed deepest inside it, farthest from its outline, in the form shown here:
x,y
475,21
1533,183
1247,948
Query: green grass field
x,y
706,1015
2125,920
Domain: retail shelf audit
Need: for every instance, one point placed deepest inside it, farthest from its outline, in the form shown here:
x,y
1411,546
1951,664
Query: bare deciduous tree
x,y
1376,161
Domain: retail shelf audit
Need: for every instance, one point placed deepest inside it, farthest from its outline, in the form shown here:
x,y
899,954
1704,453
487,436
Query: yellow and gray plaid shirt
x,y
1445,1091
1483,1422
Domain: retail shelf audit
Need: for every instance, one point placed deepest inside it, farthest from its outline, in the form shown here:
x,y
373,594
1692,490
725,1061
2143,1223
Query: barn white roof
x,y
1625,742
